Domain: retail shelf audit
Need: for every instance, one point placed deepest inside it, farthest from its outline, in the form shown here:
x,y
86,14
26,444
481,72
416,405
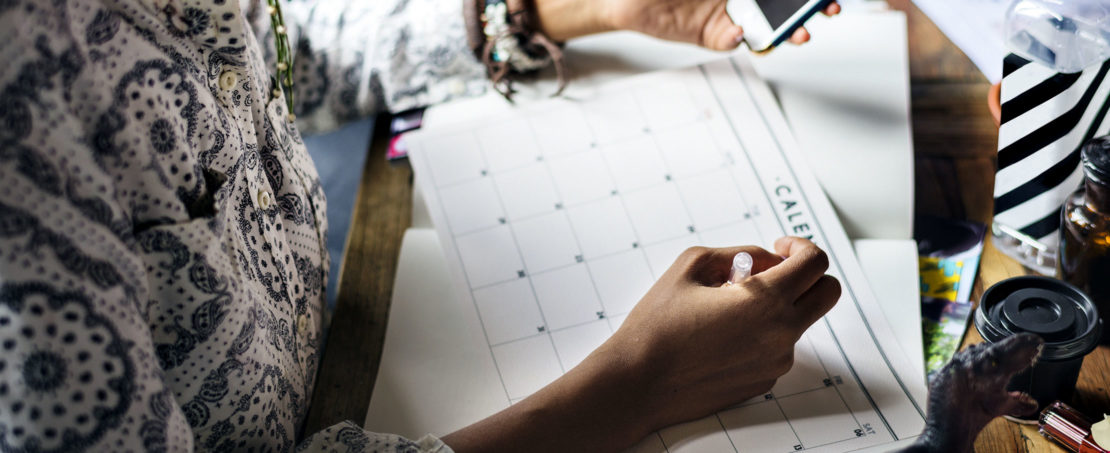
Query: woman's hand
x,y
689,348
700,347
701,22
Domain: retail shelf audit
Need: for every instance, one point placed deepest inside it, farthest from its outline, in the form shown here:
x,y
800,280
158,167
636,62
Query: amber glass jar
x,y
1085,230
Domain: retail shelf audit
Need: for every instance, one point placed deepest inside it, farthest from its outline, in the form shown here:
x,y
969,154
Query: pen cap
x,y
1062,315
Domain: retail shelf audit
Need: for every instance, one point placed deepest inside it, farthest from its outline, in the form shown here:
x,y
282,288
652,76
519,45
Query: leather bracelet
x,y
504,35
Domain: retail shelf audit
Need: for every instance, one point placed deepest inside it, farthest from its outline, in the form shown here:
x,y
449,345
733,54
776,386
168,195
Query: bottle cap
x,y
1062,315
1065,35
1096,159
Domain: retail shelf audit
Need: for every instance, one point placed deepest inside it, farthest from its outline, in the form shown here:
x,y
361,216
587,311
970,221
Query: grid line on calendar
x,y
578,258
641,246
562,366
638,242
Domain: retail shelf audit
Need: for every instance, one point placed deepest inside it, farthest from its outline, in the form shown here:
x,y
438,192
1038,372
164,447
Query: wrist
x,y
600,405
562,20
609,396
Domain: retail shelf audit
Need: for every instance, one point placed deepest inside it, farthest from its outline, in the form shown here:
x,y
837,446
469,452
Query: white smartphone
x,y
768,23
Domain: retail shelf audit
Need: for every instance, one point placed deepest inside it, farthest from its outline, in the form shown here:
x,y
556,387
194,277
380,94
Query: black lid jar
x,y
1062,315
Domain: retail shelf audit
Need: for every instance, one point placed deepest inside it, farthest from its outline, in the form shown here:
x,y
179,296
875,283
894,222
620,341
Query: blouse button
x,y
228,80
264,199
456,87
302,324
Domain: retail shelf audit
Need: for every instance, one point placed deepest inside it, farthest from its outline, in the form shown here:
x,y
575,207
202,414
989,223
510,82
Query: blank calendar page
x,y
557,217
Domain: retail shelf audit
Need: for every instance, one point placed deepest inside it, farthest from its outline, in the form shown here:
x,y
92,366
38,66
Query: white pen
x,y
741,269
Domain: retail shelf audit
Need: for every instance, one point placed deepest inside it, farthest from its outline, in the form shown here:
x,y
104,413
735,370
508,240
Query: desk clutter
x,y
1051,188
1052,203
1068,312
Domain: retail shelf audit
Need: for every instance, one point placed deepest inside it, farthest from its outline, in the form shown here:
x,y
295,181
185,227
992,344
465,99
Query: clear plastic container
x,y
1066,35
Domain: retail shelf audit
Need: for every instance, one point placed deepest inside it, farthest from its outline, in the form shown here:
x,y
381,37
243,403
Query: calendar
x,y
555,218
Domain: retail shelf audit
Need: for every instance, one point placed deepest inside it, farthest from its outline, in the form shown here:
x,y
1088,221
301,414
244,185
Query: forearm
x,y
562,20
597,406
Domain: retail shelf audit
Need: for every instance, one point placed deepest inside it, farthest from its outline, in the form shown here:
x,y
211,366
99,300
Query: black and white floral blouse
x,y
162,256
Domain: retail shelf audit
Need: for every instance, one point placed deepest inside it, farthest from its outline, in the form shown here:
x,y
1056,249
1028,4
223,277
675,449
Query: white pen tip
x,y
741,268
742,260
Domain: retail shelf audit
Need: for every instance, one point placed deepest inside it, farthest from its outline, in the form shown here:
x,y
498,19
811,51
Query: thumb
x,y
720,33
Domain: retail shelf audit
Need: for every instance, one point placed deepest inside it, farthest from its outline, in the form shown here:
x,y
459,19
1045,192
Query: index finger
x,y
800,36
805,263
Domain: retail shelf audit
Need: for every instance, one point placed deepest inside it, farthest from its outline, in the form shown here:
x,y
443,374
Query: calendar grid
x,y
562,367
557,236
485,332
604,313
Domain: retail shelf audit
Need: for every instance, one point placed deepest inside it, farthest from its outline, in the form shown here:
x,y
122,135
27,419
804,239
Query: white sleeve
x,y
353,59
348,437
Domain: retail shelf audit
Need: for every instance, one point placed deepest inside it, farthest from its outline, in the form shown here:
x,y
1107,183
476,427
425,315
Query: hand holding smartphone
x,y
767,23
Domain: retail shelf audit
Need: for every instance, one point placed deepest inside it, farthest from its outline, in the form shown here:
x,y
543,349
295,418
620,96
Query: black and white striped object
x,y
1046,119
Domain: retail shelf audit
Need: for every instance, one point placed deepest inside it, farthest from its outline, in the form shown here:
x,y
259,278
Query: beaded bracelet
x,y
506,46
504,36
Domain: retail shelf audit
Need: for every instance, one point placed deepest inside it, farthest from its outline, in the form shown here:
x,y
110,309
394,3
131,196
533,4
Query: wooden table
x,y
955,147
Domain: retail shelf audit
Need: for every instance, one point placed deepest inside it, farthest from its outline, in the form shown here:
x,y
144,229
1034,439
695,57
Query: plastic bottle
x,y
1066,35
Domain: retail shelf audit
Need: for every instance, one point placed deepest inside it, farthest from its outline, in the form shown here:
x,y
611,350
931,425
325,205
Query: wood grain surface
x,y
382,213
955,145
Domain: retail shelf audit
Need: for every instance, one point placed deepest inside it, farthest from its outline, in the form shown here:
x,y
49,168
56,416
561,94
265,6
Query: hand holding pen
x,y
693,345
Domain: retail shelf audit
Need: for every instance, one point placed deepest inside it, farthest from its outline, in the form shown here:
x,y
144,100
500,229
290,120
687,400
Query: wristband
x,y
504,36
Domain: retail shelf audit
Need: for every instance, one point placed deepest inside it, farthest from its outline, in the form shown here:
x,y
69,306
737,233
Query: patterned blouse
x,y
162,256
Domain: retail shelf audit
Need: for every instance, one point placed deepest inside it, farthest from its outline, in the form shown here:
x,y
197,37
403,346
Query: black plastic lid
x,y
1058,312
1096,159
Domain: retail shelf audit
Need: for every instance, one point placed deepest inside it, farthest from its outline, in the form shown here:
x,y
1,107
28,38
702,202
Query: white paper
x,y
846,96
976,26
543,301
891,266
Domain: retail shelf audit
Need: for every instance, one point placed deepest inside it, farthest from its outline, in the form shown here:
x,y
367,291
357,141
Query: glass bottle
x,y
1068,428
1085,230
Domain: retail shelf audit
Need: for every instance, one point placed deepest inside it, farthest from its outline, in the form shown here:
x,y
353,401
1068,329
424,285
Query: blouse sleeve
x,y
77,367
353,59
348,437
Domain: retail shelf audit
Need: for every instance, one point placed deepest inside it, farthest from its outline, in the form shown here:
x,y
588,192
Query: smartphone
x,y
767,23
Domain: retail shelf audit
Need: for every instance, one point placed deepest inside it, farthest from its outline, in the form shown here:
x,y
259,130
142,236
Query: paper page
x,y
859,129
891,268
975,26
555,219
